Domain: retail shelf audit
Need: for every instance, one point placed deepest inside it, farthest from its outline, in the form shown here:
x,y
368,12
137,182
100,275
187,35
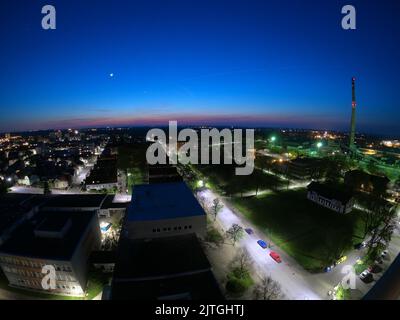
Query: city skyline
x,y
261,65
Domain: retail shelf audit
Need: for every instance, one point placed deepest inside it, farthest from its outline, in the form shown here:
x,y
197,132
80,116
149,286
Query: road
x,y
296,282
83,173
291,278
34,190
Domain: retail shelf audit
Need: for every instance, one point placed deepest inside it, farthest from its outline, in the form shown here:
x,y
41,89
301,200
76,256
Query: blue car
x,y
328,269
262,244
249,231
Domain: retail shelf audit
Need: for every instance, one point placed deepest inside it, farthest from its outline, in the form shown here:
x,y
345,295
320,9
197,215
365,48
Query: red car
x,y
275,256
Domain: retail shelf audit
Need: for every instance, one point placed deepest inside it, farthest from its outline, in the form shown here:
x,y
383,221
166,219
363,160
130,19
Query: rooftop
x,y
330,191
157,257
75,201
159,268
25,241
304,161
14,206
163,201
199,286
109,203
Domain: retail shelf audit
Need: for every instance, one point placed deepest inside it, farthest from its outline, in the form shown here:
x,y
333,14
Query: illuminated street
x,y
297,283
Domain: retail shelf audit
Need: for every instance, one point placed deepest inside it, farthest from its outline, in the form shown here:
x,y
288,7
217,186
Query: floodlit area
x,y
296,282
292,282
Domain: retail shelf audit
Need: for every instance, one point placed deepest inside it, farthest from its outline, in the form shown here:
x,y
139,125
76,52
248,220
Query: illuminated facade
x,y
63,240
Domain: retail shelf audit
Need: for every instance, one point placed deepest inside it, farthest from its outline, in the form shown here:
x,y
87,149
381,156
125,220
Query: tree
x,y
267,289
241,264
213,237
380,223
46,188
380,186
336,243
258,179
216,207
239,279
240,184
332,170
235,233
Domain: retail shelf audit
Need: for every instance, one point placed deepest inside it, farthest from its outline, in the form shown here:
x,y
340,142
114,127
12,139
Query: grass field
x,y
224,179
313,235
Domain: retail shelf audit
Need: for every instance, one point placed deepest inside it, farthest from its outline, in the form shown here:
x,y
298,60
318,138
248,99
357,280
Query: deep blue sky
x,y
271,63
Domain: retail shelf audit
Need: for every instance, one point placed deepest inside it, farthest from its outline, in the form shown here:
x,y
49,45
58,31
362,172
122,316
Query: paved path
x,y
288,273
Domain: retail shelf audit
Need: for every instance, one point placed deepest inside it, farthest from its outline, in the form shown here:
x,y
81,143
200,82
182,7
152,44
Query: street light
x,y
9,179
319,144
273,138
200,183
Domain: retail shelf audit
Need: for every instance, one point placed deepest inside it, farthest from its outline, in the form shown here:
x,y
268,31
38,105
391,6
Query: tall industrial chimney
x,y
353,115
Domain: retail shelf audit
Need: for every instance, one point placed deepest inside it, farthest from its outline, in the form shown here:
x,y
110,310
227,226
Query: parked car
x,y
366,276
375,268
275,256
360,245
329,268
249,231
379,260
341,260
384,254
262,244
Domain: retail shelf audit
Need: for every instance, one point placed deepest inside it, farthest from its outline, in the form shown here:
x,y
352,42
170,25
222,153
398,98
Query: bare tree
x,y
267,289
242,263
235,233
216,207
381,226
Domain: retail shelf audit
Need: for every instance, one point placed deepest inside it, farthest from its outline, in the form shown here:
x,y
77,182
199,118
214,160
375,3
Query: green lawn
x,y
96,282
313,235
222,178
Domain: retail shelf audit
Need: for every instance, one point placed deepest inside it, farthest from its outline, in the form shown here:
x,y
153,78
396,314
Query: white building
x,y
62,240
330,197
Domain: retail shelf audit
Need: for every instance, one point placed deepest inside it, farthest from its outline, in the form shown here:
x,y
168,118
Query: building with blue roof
x,y
164,209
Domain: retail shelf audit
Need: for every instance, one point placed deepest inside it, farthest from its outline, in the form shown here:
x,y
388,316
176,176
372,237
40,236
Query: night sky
x,y
253,63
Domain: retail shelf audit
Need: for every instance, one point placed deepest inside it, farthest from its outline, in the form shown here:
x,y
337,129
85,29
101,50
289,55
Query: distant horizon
x,y
216,125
